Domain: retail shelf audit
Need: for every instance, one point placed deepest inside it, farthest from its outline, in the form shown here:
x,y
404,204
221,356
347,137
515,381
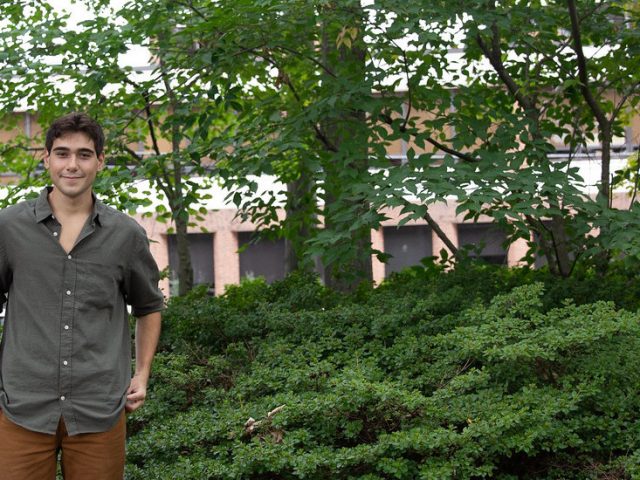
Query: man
x,y
69,265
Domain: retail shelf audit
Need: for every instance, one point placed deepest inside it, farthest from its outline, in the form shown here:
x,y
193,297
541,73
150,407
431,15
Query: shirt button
x,y
65,363
66,327
63,398
68,292
69,257
55,234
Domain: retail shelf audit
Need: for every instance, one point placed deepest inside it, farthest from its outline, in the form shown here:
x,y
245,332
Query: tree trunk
x,y
346,128
301,219
179,209
290,257
605,173
185,270
561,246
605,194
291,252
181,219
554,243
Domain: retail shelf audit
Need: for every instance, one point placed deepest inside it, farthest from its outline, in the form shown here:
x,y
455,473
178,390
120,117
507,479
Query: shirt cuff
x,y
142,311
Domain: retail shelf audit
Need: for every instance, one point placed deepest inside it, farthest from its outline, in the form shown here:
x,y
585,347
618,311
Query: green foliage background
x,y
317,94
478,372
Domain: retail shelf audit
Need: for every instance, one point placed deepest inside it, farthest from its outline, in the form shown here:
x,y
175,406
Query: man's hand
x,y
147,334
136,394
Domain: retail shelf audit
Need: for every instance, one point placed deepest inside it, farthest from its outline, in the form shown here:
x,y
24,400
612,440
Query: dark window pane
x,y
487,235
264,258
201,249
408,245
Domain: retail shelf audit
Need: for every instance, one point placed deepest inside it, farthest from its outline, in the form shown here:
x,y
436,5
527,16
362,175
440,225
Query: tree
x,y
305,116
494,114
63,69
321,84
557,91
522,85
481,93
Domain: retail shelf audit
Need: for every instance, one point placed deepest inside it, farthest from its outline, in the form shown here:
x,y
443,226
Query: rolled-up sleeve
x,y
141,284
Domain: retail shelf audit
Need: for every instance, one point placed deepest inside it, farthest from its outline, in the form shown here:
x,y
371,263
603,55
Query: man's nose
x,y
72,164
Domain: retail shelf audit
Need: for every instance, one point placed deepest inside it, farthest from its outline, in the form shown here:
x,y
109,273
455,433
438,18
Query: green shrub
x,y
461,374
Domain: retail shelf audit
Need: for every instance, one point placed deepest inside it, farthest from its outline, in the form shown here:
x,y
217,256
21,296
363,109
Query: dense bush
x,y
478,372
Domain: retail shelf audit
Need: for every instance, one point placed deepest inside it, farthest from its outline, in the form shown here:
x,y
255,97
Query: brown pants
x,y
27,455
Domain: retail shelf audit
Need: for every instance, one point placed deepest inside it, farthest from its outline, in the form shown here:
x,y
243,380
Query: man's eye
x,y
62,154
85,156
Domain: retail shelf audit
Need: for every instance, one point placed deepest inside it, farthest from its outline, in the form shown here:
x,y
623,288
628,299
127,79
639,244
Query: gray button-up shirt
x,y
66,346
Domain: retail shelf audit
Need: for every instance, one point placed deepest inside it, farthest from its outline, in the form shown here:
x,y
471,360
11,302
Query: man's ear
x,y
45,160
101,161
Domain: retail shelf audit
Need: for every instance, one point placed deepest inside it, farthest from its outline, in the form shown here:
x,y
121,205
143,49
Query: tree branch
x,y
284,79
175,145
462,156
604,124
582,64
624,99
538,226
635,183
152,131
441,235
319,133
189,5
405,62
552,60
131,152
307,57
386,118
494,55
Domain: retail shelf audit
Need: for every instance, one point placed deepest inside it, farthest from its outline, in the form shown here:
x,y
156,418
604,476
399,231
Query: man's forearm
x,y
147,335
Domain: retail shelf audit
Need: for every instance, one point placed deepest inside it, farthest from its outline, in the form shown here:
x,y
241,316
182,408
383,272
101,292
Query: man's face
x,y
73,164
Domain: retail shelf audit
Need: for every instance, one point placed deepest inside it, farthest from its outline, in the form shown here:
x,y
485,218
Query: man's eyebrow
x,y
67,149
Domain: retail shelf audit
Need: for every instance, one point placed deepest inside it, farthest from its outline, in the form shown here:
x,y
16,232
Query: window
x,y
261,258
408,245
485,236
201,250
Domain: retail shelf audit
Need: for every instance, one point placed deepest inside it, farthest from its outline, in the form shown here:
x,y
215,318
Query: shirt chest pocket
x,y
98,286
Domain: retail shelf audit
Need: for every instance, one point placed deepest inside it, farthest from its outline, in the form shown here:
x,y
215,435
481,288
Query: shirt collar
x,y
43,208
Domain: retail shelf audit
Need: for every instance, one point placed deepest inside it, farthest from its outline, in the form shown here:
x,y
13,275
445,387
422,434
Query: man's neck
x,y
64,206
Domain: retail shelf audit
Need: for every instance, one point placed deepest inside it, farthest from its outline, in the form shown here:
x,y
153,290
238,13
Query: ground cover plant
x,y
479,372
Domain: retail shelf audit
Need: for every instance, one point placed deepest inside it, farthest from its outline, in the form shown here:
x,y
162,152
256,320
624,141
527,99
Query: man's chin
x,y
72,192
